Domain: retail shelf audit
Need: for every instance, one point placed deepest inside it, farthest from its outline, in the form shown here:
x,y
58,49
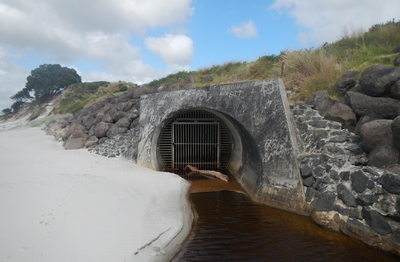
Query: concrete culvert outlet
x,y
197,138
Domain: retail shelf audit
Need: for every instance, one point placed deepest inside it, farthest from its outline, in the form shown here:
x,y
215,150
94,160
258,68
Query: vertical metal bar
x,y
173,145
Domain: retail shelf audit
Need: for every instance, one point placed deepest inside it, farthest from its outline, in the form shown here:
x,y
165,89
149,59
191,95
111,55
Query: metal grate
x,y
196,138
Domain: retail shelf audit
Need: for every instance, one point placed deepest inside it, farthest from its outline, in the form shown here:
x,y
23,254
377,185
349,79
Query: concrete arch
x,y
257,112
243,146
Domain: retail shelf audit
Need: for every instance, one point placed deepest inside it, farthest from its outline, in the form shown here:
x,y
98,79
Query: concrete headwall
x,y
258,116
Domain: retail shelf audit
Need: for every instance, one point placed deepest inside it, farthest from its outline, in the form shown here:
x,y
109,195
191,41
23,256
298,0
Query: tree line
x,y
44,82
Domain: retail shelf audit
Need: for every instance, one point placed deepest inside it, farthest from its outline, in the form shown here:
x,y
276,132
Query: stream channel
x,y
229,226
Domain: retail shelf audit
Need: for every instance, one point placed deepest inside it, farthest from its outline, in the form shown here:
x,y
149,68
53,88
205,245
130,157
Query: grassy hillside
x,y
309,70
77,96
306,71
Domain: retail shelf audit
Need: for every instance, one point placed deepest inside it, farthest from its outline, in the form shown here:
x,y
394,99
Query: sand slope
x,y
71,205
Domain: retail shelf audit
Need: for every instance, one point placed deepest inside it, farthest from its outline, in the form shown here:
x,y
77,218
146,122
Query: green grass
x,y
306,71
78,96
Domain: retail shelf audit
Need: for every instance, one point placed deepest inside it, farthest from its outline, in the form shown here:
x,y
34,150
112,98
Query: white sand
x,y
71,205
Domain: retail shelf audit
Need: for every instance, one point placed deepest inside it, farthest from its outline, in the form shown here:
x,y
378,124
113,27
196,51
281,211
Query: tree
x,y
47,79
7,111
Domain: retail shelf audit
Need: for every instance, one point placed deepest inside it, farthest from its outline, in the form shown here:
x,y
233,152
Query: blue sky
x,y
142,40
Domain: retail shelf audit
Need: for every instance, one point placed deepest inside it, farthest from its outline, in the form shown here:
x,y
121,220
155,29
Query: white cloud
x,y
324,20
175,50
245,30
97,31
13,78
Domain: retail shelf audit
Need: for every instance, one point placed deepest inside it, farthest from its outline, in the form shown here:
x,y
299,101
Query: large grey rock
x,y
132,114
396,132
103,110
75,141
116,115
360,122
55,128
374,132
91,141
384,155
391,183
377,79
396,49
377,222
321,102
325,202
354,228
345,85
346,196
101,129
114,130
88,121
367,200
378,107
395,90
123,122
359,181
350,74
107,118
75,127
343,114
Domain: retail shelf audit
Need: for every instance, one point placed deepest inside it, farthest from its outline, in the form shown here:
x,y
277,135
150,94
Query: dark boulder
x,y
396,49
360,122
378,107
359,181
88,121
377,222
343,114
321,102
123,122
114,130
395,90
374,132
377,79
103,110
396,132
107,118
367,200
346,196
390,182
132,114
306,171
101,129
116,114
350,74
384,155
325,202
345,85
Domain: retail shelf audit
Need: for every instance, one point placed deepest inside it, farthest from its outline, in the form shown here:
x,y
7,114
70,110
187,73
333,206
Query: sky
x,y
142,40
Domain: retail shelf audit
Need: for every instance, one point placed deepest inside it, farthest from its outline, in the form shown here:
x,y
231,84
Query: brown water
x,y
231,227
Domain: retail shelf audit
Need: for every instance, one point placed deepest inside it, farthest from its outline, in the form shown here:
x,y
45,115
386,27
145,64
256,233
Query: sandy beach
x,y
71,205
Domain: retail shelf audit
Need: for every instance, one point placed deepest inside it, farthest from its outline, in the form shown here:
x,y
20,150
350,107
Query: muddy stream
x,y
231,227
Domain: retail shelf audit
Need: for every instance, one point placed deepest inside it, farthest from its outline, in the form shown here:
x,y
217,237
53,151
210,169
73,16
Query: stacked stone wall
x,y
343,195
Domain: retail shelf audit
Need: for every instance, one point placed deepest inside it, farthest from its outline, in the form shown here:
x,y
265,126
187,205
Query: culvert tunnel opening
x,y
197,138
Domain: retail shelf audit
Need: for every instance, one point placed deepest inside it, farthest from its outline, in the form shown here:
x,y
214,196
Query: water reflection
x,y
230,227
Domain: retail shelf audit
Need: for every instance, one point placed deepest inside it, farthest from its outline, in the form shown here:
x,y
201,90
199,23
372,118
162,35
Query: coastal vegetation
x,y
304,71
